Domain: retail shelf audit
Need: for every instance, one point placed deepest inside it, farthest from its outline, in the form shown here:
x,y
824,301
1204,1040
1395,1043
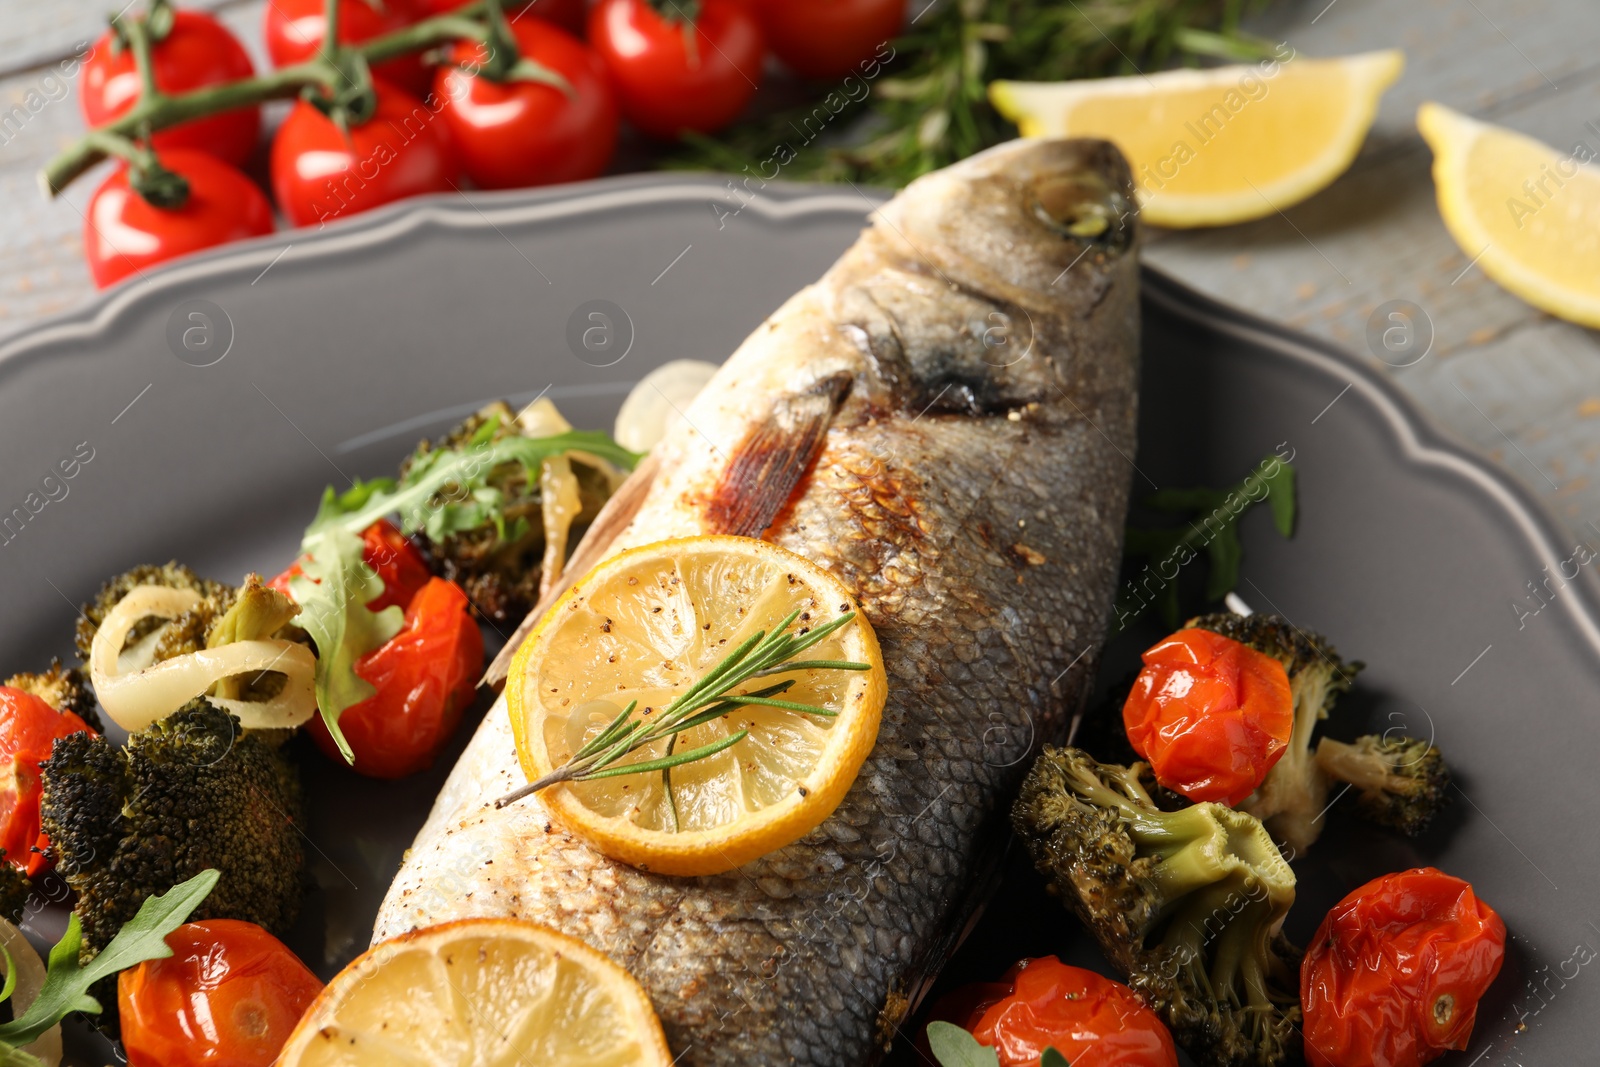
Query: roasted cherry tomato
x,y
320,173
425,677
29,729
1044,1003
672,78
830,38
123,233
516,133
1395,972
392,556
228,996
198,51
568,14
293,30
1210,714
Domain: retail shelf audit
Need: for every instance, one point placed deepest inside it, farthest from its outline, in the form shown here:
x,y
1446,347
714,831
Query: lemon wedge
x,y
1526,213
643,627
479,993
1218,146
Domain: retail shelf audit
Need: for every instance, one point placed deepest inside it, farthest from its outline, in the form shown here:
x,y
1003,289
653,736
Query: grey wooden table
x,y
1519,385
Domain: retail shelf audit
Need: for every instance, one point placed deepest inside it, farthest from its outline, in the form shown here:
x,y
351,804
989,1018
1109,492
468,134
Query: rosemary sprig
x,y
713,695
929,108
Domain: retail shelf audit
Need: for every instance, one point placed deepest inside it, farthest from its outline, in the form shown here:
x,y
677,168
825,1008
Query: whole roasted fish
x,y
945,422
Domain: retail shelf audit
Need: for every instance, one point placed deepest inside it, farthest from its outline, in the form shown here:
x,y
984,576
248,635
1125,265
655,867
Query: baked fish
x,y
945,421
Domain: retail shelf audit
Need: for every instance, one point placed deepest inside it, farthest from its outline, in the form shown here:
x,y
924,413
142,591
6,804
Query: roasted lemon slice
x,y
1218,146
1526,213
645,626
479,993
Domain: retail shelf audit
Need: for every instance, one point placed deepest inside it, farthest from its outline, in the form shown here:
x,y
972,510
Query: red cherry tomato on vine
x,y
293,31
516,133
568,14
1210,714
123,233
830,38
230,993
1395,972
29,728
1044,1003
320,174
198,51
672,78
425,677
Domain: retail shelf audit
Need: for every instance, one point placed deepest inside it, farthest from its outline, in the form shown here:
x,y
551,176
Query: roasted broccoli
x,y
500,564
63,688
189,793
187,633
1400,782
1187,904
14,891
1293,798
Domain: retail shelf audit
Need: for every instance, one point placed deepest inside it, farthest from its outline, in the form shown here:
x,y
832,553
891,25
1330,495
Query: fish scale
x,y
972,496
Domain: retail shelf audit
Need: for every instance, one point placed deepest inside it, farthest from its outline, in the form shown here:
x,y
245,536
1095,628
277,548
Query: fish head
x,y
1001,281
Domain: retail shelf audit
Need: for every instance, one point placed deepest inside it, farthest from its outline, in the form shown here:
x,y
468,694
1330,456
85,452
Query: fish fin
x,y
767,465
613,518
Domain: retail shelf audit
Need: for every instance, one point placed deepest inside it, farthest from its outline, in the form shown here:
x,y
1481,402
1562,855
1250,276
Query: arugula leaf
x,y
66,982
444,492
954,1047
1211,525
1053,1058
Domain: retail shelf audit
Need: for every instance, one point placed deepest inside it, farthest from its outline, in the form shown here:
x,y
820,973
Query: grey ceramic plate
x,y
331,353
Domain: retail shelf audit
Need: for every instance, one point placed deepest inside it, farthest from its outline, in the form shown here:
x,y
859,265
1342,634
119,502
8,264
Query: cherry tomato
x,y
293,30
568,14
1044,1003
320,174
425,677
28,731
1395,972
392,556
123,233
1210,714
830,38
228,996
668,84
510,134
198,51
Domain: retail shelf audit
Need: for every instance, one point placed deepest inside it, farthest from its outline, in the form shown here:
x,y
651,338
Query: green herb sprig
x,y
954,1047
761,655
1210,525
930,108
67,982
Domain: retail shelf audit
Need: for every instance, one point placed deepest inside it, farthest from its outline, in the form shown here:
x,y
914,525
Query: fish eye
x,y
1083,208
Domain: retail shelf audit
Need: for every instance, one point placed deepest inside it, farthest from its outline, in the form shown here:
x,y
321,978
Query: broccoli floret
x,y
1294,795
500,565
1400,782
189,793
187,633
14,891
63,688
1187,904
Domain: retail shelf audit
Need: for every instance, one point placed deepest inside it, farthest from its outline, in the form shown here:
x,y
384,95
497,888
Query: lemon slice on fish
x,y
1526,213
1219,146
479,993
643,627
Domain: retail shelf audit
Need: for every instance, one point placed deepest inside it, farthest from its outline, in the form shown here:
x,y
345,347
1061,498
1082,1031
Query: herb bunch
x,y
931,108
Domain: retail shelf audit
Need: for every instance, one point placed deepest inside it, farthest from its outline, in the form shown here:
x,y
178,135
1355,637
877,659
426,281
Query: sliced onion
x,y
30,977
657,403
136,698
542,419
561,504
